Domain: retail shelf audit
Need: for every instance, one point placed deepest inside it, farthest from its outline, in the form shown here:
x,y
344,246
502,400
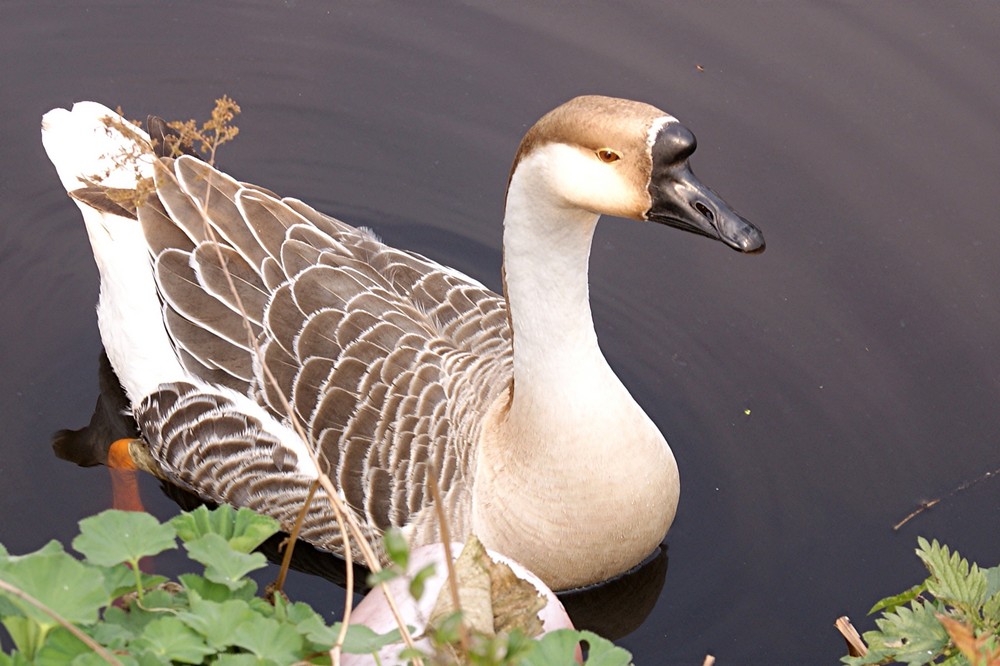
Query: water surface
x,y
813,395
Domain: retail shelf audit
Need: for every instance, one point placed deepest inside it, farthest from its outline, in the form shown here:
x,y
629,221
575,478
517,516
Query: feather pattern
x,y
371,347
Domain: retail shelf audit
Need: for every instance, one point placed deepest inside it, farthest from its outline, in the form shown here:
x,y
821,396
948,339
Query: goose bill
x,y
680,200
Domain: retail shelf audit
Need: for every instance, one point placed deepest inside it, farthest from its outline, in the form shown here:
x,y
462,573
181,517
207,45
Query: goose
x,y
227,311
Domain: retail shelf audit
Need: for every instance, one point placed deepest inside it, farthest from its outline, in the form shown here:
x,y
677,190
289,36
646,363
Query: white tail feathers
x,y
91,145
92,142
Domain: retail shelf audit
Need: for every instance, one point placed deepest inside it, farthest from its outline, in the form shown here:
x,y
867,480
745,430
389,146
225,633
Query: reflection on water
x,y
861,136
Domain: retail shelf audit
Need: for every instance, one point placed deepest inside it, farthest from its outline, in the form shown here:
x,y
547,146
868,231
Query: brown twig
x,y
463,632
855,645
928,504
293,537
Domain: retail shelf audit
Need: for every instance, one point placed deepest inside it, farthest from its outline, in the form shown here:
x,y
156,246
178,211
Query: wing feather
x,y
388,359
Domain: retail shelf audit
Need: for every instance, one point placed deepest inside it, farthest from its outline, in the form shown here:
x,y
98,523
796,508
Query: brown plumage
x,y
371,346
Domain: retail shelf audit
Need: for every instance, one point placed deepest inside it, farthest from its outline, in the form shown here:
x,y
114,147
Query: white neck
x,y
546,257
575,459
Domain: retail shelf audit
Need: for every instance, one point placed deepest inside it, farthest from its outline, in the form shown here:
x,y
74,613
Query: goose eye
x,y
607,155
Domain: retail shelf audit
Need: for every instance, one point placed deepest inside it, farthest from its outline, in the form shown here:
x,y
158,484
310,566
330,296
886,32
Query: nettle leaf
x,y
992,581
952,579
114,536
901,599
172,640
67,586
223,564
216,622
269,639
913,633
242,528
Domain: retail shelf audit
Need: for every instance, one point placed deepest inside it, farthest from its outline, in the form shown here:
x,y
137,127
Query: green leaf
x,y
317,631
419,581
216,622
298,612
376,578
237,660
70,588
94,659
992,580
206,589
396,547
113,537
120,579
603,652
901,599
913,634
555,647
269,639
242,528
448,628
170,639
359,639
111,635
952,579
60,648
223,564
363,640
14,659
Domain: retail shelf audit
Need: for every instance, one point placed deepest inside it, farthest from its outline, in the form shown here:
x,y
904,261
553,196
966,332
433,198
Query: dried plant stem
x,y
929,504
293,537
66,624
855,645
449,564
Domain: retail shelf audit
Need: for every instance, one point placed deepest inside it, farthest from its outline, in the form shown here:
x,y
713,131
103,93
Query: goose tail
x,y
100,157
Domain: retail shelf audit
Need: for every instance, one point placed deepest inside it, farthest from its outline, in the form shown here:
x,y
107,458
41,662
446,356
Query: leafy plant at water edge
x,y
952,617
213,617
101,608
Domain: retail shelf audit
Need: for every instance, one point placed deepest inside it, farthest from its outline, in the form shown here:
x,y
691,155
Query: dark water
x,y
862,138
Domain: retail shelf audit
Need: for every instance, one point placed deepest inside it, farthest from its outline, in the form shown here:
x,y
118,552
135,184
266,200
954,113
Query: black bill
x,y
680,200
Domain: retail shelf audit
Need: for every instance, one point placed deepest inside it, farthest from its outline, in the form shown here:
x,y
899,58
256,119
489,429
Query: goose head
x,y
618,157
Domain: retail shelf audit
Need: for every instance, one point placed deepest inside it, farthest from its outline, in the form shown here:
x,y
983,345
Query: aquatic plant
x,y
102,609
952,617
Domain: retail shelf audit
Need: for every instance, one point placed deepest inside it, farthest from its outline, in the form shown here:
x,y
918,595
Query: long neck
x,y
546,257
571,459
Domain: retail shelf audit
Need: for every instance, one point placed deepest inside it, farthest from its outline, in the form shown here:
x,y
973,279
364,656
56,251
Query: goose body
x,y
396,367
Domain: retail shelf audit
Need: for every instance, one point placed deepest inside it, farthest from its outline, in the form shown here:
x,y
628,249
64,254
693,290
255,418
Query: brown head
x,y
629,159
